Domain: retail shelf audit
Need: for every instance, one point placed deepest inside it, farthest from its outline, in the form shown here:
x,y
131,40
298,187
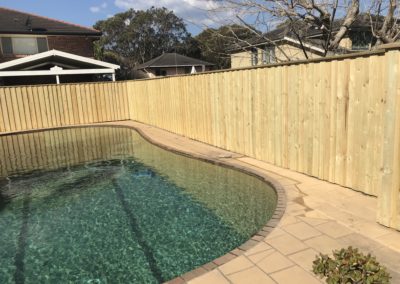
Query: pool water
x,y
102,205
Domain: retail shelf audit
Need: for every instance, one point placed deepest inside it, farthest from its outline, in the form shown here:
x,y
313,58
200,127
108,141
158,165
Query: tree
x,y
214,43
384,17
134,37
300,17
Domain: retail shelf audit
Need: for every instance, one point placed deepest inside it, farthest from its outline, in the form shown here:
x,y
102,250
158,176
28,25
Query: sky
x,y
87,12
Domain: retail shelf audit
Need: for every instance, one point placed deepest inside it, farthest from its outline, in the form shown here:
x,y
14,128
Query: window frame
x,y
268,55
254,57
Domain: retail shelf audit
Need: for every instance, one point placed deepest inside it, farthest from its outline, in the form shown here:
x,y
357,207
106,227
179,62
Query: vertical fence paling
x,y
389,195
338,120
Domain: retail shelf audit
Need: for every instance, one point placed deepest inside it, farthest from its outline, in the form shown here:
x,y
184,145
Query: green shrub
x,y
350,266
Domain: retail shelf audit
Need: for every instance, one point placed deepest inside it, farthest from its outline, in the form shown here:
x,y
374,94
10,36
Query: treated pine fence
x,y
337,119
33,107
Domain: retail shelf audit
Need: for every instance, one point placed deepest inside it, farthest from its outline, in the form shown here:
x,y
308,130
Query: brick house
x,y
40,50
23,34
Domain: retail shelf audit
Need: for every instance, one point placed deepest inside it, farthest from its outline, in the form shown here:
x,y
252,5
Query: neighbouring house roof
x,y
361,23
282,34
172,60
17,22
42,64
311,34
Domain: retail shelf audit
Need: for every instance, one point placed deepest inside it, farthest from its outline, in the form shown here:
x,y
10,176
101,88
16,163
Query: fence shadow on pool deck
x,y
337,119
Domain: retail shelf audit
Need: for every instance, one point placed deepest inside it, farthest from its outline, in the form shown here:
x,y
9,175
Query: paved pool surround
x,y
312,216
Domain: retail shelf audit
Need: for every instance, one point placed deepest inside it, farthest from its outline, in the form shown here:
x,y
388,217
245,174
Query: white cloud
x,y
99,8
197,12
94,9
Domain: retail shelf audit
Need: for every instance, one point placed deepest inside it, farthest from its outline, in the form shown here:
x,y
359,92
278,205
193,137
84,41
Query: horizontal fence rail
x,y
336,119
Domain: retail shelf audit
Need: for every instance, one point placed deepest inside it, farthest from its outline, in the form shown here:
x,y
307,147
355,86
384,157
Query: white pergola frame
x,y
105,67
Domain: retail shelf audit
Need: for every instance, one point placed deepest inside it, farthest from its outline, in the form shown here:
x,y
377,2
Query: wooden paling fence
x,y
33,107
335,119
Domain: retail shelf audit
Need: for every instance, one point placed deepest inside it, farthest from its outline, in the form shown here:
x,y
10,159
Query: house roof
x,y
54,57
311,34
278,34
17,22
361,23
172,60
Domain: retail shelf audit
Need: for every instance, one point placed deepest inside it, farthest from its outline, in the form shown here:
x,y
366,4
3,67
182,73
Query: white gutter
x,y
55,72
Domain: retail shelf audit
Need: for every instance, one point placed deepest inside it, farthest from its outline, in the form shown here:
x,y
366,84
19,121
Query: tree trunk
x,y
351,16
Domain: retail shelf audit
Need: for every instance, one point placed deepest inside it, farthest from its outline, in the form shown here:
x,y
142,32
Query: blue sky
x,y
87,12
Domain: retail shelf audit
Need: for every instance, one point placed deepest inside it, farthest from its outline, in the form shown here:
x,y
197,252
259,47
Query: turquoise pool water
x,y
102,205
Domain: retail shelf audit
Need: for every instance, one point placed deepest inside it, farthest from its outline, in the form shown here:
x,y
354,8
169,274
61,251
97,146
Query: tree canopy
x,y
215,43
135,36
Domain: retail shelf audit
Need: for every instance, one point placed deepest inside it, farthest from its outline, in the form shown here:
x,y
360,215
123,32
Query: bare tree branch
x,y
331,27
303,17
352,13
263,37
385,28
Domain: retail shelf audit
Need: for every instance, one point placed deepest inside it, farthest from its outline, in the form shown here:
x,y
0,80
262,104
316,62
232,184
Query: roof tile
x,y
17,22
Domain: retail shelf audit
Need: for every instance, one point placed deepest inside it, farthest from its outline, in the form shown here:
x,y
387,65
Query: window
x,y
23,45
160,72
268,55
361,40
254,57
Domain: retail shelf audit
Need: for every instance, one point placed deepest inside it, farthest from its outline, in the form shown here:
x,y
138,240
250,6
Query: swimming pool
x,y
102,205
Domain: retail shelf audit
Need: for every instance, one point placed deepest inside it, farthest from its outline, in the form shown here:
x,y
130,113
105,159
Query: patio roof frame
x,y
105,67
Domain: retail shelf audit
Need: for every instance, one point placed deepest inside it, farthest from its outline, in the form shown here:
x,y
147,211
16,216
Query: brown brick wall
x,y
79,45
7,58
